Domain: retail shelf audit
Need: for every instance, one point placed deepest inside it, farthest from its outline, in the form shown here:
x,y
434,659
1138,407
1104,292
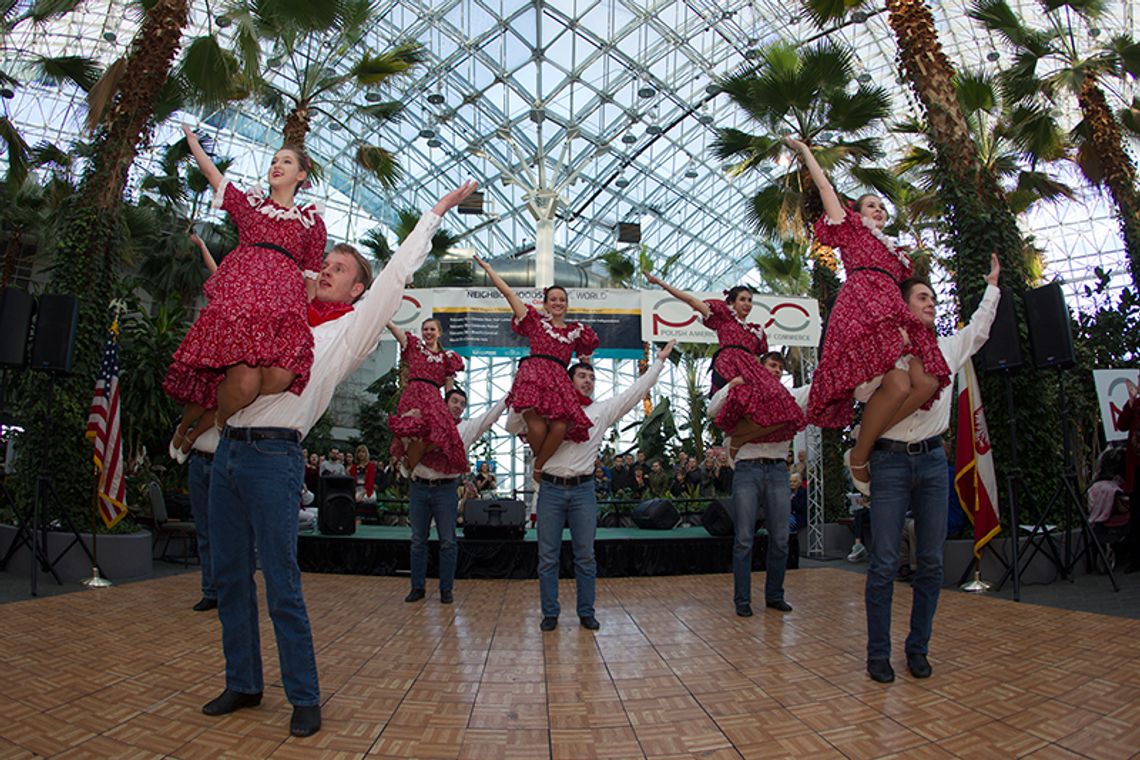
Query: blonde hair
x,y
362,450
363,267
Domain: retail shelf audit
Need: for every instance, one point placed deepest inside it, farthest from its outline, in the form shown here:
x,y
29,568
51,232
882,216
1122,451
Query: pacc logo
x,y
411,312
789,317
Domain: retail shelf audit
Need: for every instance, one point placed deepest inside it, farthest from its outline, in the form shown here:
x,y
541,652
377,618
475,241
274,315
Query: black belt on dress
x,y
555,480
853,270
914,448
763,460
279,249
548,357
433,483
432,383
253,434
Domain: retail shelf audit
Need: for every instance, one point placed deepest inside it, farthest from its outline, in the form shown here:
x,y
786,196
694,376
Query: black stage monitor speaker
x,y
16,308
55,333
1003,349
717,518
1050,332
472,204
336,505
494,519
629,233
655,514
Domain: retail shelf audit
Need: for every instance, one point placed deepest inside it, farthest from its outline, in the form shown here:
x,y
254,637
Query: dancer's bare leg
x,y
748,430
243,383
536,430
415,452
878,412
275,380
555,434
922,386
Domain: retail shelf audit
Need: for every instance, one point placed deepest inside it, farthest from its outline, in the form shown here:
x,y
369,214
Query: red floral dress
x,y
427,372
257,312
862,340
541,382
761,397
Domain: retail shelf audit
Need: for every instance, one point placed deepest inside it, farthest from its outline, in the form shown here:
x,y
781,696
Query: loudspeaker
x,y
494,519
1003,349
472,204
629,233
717,518
655,514
15,321
55,333
1050,333
336,505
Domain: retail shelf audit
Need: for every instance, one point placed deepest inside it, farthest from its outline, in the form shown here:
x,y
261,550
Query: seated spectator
x,y
639,489
621,477
363,471
332,464
799,502
485,482
1108,502
601,483
724,473
312,472
658,480
679,487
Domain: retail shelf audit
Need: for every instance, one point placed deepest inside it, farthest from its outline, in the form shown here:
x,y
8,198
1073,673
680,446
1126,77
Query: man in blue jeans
x,y
908,472
257,475
760,478
201,460
434,494
566,492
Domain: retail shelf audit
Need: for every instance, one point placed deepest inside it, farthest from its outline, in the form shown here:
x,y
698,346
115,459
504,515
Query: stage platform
x,y
673,673
620,552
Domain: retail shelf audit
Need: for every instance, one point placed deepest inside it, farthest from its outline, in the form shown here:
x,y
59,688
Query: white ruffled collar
x,y
547,323
431,356
307,215
886,241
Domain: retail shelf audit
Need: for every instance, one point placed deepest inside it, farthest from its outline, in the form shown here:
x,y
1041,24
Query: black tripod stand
x,y
1067,498
32,531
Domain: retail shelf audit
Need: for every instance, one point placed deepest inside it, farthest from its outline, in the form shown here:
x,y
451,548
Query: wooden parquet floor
x,y
673,673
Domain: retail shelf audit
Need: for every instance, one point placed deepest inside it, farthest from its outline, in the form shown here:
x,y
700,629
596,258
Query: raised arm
x,y
207,258
831,203
697,304
517,306
400,336
205,164
613,409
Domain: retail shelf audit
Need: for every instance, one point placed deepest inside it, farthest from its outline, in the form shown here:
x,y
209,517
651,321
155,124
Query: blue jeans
x,y
441,501
557,505
255,494
199,509
754,484
901,482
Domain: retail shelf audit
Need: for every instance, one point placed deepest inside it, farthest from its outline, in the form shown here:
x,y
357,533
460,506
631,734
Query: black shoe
x,y
230,701
880,670
781,605
744,610
205,603
918,665
589,622
548,623
414,595
446,597
306,721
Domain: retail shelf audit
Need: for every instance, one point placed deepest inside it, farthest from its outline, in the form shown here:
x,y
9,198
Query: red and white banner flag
x,y
974,478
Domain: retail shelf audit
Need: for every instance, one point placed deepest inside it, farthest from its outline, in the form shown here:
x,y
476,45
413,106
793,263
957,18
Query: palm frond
x,y
976,92
100,95
381,163
78,70
212,72
824,12
883,181
1127,53
383,112
17,151
377,69
998,16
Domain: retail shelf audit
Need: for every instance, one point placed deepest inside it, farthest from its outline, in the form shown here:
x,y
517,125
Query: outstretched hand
x,y
799,146
995,270
667,349
454,198
652,279
482,264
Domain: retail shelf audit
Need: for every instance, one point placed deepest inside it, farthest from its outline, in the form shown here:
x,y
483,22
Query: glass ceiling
x,y
617,93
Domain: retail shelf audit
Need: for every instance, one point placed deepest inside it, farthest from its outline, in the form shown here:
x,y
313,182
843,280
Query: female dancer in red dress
x,y
253,337
542,391
760,409
875,350
422,421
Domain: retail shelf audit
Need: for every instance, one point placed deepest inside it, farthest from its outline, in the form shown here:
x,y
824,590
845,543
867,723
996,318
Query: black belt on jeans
x,y
207,455
555,480
433,483
432,383
763,460
914,448
252,434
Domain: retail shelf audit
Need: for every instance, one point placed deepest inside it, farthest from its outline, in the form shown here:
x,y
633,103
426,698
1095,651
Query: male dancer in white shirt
x,y
760,477
908,472
434,494
566,492
257,474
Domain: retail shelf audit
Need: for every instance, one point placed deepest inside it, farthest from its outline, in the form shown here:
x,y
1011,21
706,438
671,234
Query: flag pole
x,y
96,580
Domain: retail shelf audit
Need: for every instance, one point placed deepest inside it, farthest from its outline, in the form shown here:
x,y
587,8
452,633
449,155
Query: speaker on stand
x,y
336,505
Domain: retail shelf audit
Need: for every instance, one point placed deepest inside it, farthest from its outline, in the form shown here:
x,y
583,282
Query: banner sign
x,y
788,320
477,321
415,307
1112,394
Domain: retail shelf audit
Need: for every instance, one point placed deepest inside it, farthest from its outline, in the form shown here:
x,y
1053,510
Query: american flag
x,y
103,430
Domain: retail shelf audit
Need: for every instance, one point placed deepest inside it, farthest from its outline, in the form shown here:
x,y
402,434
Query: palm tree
x,y
803,92
783,266
1076,66
303,77
375,242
